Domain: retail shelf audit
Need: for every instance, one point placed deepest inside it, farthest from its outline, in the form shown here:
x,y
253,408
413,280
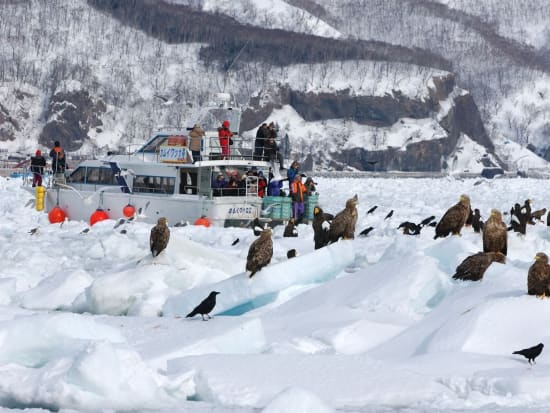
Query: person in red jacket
x,y
224,134
38,163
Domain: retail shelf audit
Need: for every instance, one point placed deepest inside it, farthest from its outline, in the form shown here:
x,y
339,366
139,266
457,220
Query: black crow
x,y
235,242
366,231
426,221
205,307
531,353
389,214
370,211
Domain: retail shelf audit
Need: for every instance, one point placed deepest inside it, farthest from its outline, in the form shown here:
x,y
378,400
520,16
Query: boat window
x,y
154,184
78,175
188,182
100,176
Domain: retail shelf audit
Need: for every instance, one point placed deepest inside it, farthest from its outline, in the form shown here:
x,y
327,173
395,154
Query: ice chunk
x,y
57,291
296,399
246,293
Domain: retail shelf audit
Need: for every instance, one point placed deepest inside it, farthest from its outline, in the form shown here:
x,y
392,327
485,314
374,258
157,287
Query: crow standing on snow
x,y
205,307
366,231
531,353
370,211
426,221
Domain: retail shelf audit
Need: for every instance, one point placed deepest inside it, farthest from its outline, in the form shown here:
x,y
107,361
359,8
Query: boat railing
x,y
238,149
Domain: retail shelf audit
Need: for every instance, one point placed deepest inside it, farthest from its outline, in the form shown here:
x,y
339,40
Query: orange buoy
x,y
56,215
128,211
98,215
205,222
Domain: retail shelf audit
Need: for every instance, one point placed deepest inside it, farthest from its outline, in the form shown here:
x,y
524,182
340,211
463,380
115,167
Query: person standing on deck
x,y
58,158
195,142
224,134
261,136
38,163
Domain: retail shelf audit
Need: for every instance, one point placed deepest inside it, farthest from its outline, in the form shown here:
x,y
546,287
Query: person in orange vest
x,y
224,134
298,191
58,158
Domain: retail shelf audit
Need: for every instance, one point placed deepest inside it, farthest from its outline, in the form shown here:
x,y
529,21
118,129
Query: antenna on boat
x,y
232,62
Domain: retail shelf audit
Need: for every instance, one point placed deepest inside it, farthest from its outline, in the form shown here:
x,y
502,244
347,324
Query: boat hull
x,y
80,205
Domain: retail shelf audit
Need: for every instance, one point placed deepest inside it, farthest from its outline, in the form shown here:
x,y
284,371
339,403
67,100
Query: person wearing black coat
x,y
261,136
271,152
38,163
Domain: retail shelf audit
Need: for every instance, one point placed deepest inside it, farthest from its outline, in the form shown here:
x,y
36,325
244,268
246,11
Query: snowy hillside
x,y
143,70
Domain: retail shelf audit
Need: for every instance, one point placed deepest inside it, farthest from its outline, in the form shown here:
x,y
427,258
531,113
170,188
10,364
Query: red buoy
x,y
205,222
128,211
98,215
56,215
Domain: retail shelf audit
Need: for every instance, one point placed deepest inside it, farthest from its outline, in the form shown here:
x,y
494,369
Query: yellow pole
x,y
40,193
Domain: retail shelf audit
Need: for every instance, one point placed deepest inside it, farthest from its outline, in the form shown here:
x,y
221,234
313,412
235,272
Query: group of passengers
x,y
38,163
252,182
265,145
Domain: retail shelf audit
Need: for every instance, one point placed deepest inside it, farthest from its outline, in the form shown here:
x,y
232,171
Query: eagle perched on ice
x,y
538,277
495,233
321,226
454,219
260,252
474,266
343,224
160,235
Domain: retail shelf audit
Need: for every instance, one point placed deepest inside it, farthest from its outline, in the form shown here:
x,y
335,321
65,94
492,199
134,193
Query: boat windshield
x,y
160,139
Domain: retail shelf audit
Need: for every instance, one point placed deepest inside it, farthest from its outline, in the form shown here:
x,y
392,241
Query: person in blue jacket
x,y
291,173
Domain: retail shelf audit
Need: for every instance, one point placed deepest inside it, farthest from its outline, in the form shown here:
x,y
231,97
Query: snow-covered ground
x,y
91,322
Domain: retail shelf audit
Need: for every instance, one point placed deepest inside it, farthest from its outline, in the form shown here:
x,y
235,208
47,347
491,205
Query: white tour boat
x,y
160,179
